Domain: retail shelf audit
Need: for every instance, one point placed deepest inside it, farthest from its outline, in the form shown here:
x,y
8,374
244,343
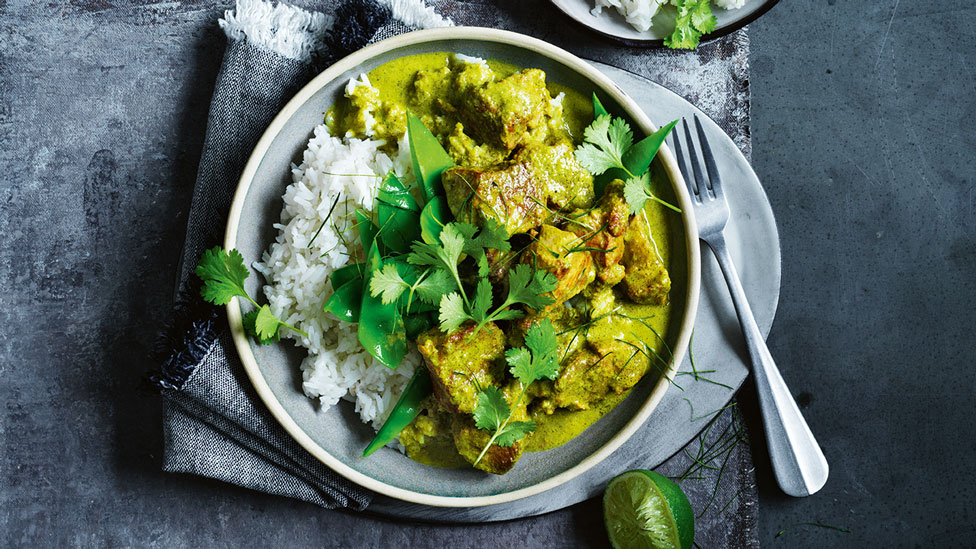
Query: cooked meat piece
x,y
470,441
466,152
459,363
553,251
583,380
565,319
591,372
428,86
646,279
564,181
603,227
503,112
629,361
506,193
520,193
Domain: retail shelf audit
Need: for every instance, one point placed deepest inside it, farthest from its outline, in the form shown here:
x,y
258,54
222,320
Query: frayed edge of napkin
x,y
286,30
415,13
186,339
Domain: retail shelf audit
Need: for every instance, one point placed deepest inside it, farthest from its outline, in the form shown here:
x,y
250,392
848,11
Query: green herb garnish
x,y
223,274
607,145
440,280
694,19
535,361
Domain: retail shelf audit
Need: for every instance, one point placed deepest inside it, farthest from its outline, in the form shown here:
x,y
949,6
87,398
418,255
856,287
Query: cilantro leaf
x,y
514,432
446,254
223,275
635,192
541,362
435,286
388,283
535,361
482,262
541,340
529,285
621,138
605,142
519,360
701,15
493,235
482,301
491,410
452,313
249,328
266,324
452,245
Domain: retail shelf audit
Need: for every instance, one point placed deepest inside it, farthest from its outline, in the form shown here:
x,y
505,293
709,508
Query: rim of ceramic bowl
x,y
603,83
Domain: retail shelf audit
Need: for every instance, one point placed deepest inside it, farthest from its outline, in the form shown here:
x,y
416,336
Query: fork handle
x,y
798,462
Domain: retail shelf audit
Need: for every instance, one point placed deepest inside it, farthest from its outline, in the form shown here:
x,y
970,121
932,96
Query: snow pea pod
x,y
435,215
406,409
429,158
347,295
598,109
381,330
399,215
346,273
346,301
367,229
639,156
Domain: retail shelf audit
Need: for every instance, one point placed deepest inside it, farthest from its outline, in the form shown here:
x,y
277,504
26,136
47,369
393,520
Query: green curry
x,y
512,137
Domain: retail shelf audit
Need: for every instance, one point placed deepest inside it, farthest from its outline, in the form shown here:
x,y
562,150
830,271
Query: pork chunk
x,y
603,228
503,112
556,251
646,279
459,363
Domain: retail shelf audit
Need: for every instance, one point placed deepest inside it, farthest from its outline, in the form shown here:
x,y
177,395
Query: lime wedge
x,y
644,509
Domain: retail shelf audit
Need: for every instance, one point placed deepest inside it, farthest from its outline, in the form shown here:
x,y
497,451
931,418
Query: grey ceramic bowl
x,y
337,437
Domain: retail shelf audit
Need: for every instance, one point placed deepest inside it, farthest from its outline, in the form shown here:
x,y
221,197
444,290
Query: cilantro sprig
x,y
694,20
389,285
440,280
223,275
535,361
608,144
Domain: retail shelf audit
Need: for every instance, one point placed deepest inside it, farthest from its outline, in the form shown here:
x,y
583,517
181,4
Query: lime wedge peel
x,y
645,509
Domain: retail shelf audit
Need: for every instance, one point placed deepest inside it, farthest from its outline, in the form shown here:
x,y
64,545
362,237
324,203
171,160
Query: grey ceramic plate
x,y
613,25
754,244
337,437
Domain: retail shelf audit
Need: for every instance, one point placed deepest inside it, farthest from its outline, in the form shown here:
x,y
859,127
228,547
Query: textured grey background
x,y
862,133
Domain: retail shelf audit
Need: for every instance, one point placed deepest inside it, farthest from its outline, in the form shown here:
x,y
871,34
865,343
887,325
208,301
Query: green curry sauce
x,y
626,324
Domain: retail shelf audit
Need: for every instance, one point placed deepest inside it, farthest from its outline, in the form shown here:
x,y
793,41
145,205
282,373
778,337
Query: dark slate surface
x,y
862,129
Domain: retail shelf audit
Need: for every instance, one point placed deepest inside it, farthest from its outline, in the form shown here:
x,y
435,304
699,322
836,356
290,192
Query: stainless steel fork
x,y
798,462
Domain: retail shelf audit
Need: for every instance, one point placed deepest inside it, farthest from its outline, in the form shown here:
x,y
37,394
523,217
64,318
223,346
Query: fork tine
x,y
713,177
680,157
695,164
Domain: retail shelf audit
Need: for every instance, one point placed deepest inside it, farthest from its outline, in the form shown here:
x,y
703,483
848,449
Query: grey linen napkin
x,y
214,424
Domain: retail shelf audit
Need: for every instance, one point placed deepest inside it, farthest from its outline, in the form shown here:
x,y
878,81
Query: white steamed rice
x,y
640,13
297,272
